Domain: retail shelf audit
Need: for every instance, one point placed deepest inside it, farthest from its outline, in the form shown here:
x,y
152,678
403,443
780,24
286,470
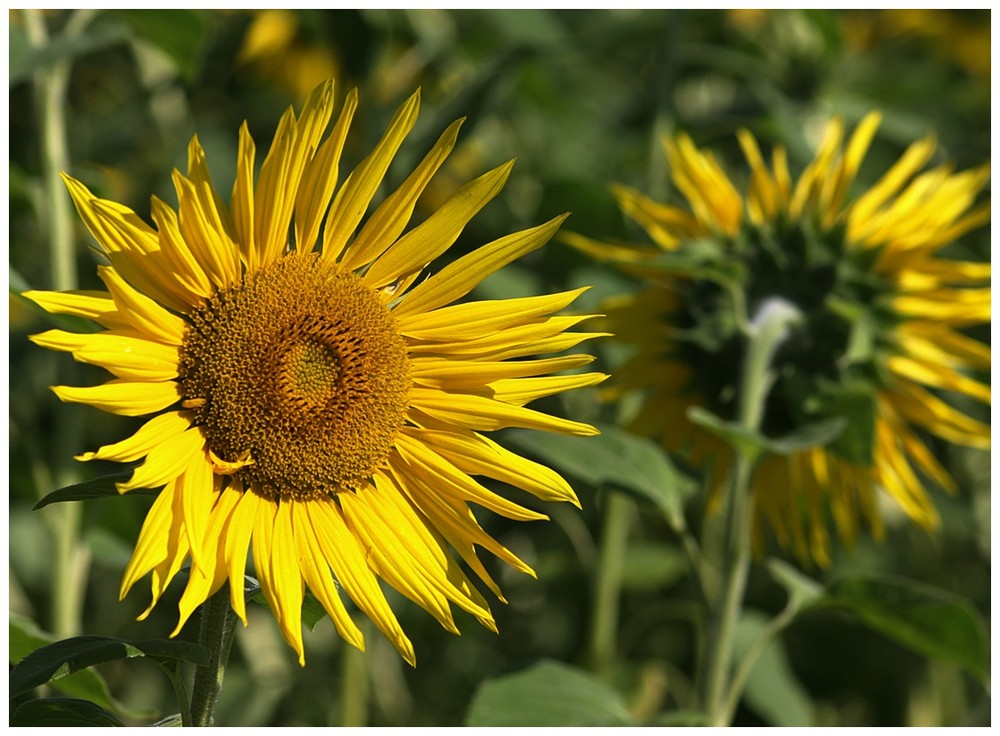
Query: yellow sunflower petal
x,y
521,391
666,225
456,522
397,559
188,272
348,560
915,157
450,480
388,221
128,357
320,178
95,305
167,461
294,144
242,199
459,277
196,489
481,413
238,533
143,313
129,398
473,319
476,454
353,199
445,373
150,549
939,377
435,235
207,577
158,430
317,575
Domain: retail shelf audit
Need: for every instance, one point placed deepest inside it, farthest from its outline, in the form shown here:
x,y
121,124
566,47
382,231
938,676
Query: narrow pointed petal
x,y
354,197
128,398
388,221
459,277
435,235
157,431
167,461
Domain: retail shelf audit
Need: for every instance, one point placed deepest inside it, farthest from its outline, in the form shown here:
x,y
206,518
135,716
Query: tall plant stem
x,y
765,334
355,686
608,585
218,625
51,82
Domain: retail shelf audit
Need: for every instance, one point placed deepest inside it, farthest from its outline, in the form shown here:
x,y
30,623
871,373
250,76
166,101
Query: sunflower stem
x,y
354,686
218,625
51,82
768,329
608,584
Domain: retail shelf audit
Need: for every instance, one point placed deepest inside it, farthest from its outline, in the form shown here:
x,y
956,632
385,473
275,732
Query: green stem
x,y
765,334
355,685
218,625
774,627
51,82
608,586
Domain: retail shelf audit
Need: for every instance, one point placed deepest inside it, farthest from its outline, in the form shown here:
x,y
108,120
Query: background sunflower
x,y
582,99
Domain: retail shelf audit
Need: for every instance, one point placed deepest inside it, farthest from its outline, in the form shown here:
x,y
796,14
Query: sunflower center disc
x,y
302,373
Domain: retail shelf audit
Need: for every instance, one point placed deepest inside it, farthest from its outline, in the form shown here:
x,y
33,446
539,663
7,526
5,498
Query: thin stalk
x,y
218,625
355,686
765,334
774,627
608,586
71,559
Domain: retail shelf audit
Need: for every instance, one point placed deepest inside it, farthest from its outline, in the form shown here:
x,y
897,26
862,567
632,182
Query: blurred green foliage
x,y
581,98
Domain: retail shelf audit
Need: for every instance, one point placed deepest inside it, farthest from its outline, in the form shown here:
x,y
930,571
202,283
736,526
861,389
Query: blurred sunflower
x,y
882,330
314,404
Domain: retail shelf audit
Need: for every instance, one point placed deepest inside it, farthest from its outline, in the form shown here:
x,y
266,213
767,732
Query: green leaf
x,y
60,658
54,712
180,34
652,566
59,48
544,695
802,589
312,610
772,689
752,444
925,619
816,434
24,637
856,404
615,457
100,487
743,440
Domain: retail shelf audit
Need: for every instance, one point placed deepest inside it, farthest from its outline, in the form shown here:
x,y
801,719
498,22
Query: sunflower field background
x,y
890,632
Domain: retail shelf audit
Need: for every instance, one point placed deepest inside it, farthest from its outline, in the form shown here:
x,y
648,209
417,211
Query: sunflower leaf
x,y
855,402
86,684
772,689
816,434
633,464
925,619
547,694
56,712
60,658
743,440
802,590
100,487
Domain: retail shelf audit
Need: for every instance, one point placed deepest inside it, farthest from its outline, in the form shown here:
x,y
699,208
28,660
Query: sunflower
x,y
884,325
310,400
